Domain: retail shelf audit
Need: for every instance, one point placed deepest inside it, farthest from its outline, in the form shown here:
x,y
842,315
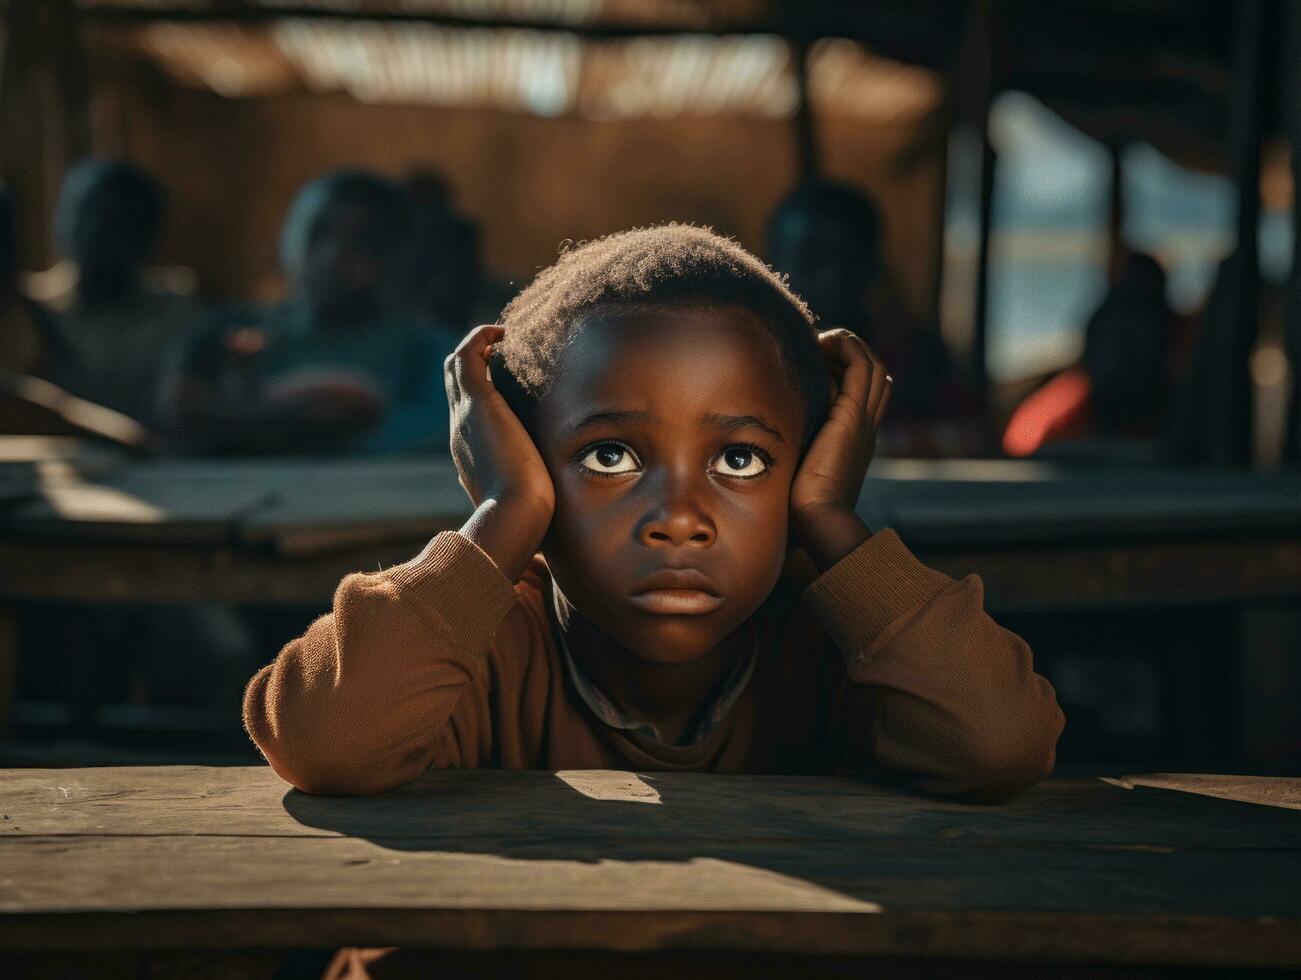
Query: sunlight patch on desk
x,y
966,470
1262,790
70,498
604,784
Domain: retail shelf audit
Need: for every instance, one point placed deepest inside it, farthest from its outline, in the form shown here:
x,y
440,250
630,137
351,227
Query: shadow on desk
x,y
634,840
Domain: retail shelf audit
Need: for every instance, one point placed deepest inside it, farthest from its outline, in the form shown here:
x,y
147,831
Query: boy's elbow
x,y
998,778
321,776
1003,766
330,768
327,782
309,759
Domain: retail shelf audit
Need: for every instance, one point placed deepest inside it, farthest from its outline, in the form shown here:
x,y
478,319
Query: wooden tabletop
x,y
88,524
60,487
1157,869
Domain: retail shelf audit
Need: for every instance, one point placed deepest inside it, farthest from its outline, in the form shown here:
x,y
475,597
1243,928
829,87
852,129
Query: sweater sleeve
x,y
360,703
939,695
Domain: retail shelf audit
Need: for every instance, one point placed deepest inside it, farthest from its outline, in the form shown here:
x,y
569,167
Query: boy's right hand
x,y
499,466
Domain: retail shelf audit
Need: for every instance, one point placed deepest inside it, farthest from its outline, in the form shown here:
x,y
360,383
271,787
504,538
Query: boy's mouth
x,y
677,592
677,602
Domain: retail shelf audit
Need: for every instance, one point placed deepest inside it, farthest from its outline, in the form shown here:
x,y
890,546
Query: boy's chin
x,y
674,640
671,658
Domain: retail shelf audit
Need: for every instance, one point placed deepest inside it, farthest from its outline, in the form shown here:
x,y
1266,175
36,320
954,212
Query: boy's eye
x,y
744,461
608,458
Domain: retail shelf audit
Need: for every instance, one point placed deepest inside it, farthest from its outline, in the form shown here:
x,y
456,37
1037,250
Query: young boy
x,y
657,416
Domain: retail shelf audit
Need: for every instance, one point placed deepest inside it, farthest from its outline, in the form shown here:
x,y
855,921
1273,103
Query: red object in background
x,y
1060,409
246,342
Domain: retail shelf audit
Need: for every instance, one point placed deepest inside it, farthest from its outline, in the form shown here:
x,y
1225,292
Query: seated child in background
x,y
828,238
657,416
115,319
339,366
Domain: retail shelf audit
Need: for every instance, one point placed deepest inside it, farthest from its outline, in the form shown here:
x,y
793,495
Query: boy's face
x,y
672,440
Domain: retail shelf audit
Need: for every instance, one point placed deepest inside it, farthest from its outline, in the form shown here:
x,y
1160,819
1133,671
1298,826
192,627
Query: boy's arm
x,y
361,702
940,695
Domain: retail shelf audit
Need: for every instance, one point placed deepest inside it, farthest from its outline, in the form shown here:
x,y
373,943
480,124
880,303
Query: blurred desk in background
x,y
84,524
87,525
1051,538
500,873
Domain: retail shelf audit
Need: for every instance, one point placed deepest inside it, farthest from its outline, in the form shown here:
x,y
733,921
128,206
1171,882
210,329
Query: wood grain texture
x,y
1078,870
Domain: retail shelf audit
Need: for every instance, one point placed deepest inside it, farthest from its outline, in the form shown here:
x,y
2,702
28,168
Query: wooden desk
x,y
83,528
1142,870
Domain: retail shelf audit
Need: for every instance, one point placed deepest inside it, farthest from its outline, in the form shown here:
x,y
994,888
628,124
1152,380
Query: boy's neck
x,y
668,696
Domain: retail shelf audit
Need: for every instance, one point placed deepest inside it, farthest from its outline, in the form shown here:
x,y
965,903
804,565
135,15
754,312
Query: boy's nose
x,y
677,522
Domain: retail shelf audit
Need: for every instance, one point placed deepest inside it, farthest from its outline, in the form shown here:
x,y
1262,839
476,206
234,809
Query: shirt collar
x,y
610,714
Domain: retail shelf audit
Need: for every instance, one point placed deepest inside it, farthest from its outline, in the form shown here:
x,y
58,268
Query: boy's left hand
x,y
830,478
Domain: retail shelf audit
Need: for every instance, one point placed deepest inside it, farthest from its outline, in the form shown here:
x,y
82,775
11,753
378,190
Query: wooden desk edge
x,y
975,935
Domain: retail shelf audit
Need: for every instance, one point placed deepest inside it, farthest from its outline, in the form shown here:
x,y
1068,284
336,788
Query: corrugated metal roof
x,y
545,73
685,14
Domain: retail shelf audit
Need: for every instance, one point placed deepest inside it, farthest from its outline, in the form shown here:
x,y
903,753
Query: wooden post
x,y
8,668
980,67
1215,424
806,134
1290,99
44,123
1116,249
1245,138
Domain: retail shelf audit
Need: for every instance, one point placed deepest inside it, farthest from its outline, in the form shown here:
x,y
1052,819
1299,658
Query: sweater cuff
x,y
456,579
876,584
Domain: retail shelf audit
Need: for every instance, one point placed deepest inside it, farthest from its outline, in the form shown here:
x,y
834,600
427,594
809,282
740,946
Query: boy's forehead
x,y
680,363
669,346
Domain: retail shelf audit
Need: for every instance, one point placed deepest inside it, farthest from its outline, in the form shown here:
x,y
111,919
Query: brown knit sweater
x,y
882,667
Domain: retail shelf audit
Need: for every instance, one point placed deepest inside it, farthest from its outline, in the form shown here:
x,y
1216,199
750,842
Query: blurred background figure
x,y
339,366
116,324
29,343
1121,387
441,278
827,237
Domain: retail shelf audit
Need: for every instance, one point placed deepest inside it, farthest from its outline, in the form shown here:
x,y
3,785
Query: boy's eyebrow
x,y
729,423
733,422
627,417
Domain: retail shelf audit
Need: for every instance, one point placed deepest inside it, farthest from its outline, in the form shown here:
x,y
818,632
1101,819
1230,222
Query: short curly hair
x,y
647,270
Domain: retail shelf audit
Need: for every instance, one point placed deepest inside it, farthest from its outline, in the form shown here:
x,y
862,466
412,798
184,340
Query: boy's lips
x,y
677,592
676,602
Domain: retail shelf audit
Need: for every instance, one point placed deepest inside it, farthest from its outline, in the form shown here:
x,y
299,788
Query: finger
x,y
470,360
480,337
828,343
881,384
449,381
834,376
885,402
852,353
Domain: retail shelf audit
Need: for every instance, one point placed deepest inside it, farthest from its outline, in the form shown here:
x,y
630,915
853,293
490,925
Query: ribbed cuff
x,y
457,581
874,585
